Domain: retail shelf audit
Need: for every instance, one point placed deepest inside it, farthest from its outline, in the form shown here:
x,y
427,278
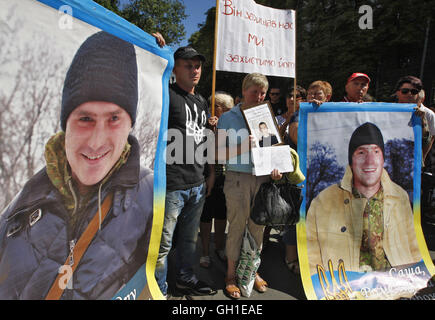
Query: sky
x,y
195,11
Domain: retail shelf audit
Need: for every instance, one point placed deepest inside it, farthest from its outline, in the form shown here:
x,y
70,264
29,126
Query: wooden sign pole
x,y
213,86
295,82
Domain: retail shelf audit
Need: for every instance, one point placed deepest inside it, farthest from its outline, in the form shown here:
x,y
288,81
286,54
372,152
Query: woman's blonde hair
x,y
223,99
255,79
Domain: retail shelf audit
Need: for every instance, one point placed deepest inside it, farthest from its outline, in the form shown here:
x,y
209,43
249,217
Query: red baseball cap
x,y
358,75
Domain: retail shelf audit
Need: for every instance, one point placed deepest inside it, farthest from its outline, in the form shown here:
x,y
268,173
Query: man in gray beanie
x,y
80,228
365,220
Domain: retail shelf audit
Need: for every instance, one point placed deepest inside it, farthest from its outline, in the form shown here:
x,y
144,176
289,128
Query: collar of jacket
x,y
39,190
128,174
387,184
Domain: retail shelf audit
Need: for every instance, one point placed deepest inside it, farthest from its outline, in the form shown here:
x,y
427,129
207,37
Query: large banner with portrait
x,y
68,67
359,236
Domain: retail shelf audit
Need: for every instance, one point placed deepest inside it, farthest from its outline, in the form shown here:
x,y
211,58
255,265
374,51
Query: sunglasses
x,y
407,90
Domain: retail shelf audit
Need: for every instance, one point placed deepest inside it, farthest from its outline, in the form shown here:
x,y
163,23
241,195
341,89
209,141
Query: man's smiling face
x,y
367,165
95,137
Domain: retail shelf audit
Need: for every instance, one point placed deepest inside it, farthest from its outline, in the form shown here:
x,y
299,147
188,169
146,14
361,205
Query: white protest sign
x,y
255,38
268,158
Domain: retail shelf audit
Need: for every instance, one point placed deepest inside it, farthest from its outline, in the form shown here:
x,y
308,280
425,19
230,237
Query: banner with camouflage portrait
x,y
360,235
83,104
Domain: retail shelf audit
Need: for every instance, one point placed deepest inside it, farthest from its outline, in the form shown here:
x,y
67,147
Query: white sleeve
x,y
430,118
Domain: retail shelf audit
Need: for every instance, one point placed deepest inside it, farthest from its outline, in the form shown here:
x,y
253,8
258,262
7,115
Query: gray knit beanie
x,y
104,68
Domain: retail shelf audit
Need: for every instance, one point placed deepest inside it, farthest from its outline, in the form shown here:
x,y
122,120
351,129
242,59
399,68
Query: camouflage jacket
x,y
335,226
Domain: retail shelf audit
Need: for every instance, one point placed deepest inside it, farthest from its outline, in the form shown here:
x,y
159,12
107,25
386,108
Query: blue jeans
x,y
183,210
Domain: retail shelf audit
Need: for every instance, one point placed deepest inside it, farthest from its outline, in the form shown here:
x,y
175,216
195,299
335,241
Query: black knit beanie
x,y
104,68
367,133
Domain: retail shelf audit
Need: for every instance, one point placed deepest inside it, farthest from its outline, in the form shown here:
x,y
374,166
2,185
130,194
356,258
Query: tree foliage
x,y
164,16
112,5
323,169
399,162
203,41
331,44
29,108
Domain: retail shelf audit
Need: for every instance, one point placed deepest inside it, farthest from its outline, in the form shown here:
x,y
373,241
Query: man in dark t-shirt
x,y
187,120
185,186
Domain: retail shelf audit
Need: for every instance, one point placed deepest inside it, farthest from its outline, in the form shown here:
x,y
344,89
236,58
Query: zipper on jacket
x,y
72,244
68,294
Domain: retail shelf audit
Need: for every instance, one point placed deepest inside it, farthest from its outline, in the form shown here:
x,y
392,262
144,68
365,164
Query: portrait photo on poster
x,y
83,106
360,202
262,124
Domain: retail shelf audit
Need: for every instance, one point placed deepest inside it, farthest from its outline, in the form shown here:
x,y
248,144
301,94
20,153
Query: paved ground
x,y
283,285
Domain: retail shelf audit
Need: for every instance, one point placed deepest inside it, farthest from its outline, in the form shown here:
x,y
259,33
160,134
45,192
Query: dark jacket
x,y
31,253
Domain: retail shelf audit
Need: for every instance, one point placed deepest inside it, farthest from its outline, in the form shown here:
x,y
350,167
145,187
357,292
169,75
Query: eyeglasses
x,y
407,90
274,94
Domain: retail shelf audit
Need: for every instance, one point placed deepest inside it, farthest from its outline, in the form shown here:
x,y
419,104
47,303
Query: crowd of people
x,y
93,179
198,194
96,127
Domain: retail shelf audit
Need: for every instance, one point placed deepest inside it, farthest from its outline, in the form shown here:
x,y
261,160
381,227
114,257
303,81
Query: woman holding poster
x,y
240,184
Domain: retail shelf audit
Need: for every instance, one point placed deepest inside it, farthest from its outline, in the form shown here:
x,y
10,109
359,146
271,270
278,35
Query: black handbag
x,y
277,204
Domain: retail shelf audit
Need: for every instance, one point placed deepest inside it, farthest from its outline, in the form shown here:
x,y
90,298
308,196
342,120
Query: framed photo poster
x,y
262,124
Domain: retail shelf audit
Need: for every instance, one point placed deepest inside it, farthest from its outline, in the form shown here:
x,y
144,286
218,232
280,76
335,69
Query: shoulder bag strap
x,y
79,249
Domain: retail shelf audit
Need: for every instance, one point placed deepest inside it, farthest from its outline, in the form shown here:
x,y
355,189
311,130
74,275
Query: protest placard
x,y
255,38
